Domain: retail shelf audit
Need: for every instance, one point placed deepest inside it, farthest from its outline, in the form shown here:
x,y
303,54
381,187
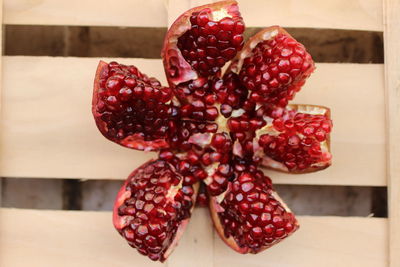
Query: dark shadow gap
x,y
96,195
325,45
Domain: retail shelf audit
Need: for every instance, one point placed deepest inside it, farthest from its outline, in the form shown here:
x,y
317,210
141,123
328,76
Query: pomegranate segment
x,y
297,139
273,66
201,41
153,208
132,109
250,216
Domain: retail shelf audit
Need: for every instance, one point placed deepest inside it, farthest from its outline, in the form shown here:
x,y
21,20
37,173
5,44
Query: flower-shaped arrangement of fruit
x,y
223,115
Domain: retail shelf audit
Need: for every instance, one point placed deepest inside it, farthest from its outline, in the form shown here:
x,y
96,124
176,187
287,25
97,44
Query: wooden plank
x,y
392,78
338,14
68,238
48,129
320,241
131,13
1,87
76,238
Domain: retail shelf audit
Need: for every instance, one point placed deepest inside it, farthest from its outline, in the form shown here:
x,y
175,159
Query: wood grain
x,y
129,13
48,129
392,77
338,14
76,238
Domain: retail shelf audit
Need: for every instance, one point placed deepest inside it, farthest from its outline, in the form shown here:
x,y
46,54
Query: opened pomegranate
x,y
213,128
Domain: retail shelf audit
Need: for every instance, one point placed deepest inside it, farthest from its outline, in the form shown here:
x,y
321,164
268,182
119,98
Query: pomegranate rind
x,y
135,141
270,163
121,222
178,28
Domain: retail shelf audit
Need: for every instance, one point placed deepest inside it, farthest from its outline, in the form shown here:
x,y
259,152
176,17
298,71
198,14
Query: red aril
x,y
296,140
132,109
250,217
273,66
153,208
199,43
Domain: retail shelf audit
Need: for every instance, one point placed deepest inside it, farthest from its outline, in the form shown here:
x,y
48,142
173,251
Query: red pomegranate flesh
x,y
153,208
130,108
212,127
296,140
250,217
273,66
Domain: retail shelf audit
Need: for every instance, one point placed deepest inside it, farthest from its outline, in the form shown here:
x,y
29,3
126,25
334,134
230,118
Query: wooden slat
x,y
1,87
48,130
320,241
337,14
340,14
132,13
392,75
76,238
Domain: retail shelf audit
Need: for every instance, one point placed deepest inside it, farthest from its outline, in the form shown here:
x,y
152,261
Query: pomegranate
x,y
212,128
152,209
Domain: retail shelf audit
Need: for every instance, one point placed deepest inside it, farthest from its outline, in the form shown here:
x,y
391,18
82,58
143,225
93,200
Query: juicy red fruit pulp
x,y
153,206
132,109
252,216
209,44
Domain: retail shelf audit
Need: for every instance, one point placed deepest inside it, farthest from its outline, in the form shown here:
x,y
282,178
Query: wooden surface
x,y
340,14
48,130
392,77
76,238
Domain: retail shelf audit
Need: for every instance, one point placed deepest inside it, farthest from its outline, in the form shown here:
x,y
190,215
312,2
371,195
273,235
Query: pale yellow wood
x,y
355,95
196,246
337,14
320,241
340,14
392,75
133,13
1,87
48,129
77,238
175,8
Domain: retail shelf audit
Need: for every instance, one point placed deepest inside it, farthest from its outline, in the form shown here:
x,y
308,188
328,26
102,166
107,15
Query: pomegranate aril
x,y
252,218
131,109
211,39
158,219
300,140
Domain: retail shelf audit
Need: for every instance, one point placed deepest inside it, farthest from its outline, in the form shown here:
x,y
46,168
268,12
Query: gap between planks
x,y
48,130
337,14
89,237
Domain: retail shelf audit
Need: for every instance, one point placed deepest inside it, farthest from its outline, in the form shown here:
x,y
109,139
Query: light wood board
x,y
76,238
392,76
338,14
48,130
